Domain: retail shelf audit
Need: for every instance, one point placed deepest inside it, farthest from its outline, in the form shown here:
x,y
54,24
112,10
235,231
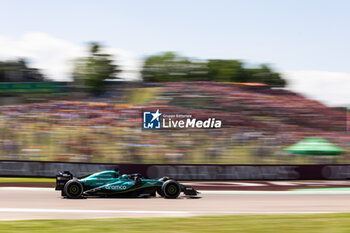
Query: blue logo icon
x,y
151,120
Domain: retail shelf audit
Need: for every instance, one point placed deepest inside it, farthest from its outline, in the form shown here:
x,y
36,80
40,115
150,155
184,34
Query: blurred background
x,y
73,88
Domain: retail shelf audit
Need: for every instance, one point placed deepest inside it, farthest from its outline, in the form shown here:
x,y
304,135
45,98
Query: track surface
x,y
22,203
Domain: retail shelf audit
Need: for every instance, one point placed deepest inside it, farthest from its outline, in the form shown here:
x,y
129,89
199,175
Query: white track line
x,y
27,189
32,210
275,192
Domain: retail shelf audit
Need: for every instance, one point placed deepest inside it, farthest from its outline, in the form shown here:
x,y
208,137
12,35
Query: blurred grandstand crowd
x,y
258,122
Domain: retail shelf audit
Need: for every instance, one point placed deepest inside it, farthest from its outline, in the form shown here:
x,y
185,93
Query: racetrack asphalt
x,y
44,203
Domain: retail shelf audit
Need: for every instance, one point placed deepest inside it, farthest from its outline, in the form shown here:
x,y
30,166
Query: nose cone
x,y
190,191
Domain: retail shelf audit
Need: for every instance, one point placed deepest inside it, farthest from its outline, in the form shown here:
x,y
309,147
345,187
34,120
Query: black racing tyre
x,y
160,192
73,189
63,194
171,189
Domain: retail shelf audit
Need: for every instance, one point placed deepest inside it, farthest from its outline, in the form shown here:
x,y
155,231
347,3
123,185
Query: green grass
x,y
21,179
304,223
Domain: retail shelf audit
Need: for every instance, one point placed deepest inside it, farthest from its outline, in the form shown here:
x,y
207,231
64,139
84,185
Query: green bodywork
x,y
113,182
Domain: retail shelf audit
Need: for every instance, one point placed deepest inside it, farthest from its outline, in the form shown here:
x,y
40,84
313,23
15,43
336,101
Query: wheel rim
x,y
172,189
74,189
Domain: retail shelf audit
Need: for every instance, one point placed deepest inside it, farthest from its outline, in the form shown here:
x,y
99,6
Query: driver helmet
x,y
124,176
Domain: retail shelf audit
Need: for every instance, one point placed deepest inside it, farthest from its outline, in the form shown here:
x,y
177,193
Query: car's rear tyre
x,y
73,189
63,193
171,189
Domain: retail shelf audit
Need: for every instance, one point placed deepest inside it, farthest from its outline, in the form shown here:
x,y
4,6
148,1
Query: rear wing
x,y
62,178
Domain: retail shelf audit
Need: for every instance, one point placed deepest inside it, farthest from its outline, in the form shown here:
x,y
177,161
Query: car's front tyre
x,y
160,192
171,189
73,189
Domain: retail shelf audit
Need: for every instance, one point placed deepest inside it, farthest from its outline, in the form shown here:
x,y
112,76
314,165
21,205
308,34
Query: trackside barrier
x,y
181,171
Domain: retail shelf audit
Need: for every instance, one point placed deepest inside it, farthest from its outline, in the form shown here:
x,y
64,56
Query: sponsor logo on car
x,y
116,187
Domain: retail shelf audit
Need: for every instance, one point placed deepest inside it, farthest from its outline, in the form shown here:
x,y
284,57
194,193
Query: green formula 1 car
x,y
112,184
